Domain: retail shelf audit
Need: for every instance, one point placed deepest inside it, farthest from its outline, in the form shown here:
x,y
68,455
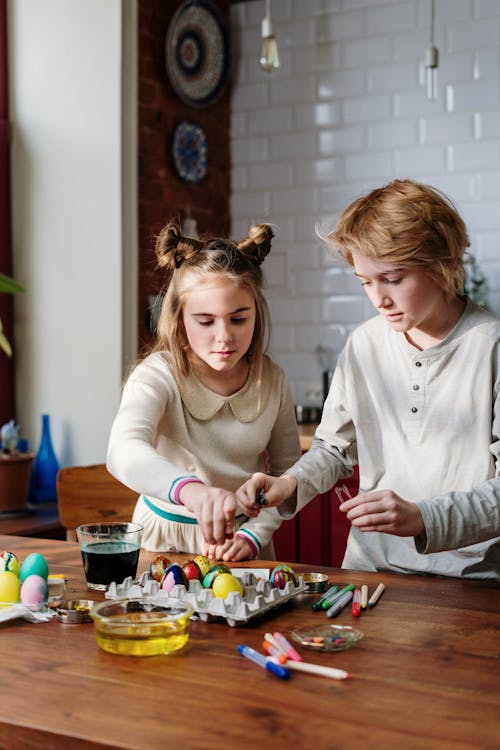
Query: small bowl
x,y
316,582
141,627
75,612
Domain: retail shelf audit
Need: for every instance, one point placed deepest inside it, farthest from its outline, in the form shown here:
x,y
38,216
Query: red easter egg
x,y
192,570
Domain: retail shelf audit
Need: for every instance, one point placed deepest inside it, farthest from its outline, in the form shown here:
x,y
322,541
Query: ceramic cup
x,y
110,552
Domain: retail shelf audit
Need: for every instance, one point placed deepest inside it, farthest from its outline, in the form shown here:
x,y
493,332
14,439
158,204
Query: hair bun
x,y
257,245
172,248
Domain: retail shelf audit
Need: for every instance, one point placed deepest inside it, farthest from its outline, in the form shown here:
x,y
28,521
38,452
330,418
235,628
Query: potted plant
x,y
15,465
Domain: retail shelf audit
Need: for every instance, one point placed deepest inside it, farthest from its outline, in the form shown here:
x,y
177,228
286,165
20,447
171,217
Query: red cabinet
x,y
318,534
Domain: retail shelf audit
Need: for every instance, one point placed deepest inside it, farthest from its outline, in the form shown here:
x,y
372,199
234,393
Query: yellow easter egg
x,y
204,563
10,586
224,583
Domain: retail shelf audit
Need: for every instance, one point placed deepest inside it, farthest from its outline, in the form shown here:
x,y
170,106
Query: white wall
x,y
346,112
65,61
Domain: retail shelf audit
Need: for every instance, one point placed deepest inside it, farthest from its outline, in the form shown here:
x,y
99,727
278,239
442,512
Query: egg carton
x,y
259,597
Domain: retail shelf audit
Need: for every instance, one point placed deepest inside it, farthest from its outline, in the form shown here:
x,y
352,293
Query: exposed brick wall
x,y
162,194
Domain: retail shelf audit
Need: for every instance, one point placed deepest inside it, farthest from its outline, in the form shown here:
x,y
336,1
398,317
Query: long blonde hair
x,y
408,223
238,261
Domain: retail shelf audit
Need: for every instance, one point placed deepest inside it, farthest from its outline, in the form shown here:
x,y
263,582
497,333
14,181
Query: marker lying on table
x,y
287,647
364,596
264,662
339,605
332,672
318,604
356,603
335,597
376,595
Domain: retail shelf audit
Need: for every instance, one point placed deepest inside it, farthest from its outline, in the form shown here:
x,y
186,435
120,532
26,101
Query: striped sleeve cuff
x,y
252,540
176,487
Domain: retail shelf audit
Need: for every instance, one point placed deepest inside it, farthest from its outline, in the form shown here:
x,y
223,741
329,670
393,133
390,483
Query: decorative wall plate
x,y
190,151
196,52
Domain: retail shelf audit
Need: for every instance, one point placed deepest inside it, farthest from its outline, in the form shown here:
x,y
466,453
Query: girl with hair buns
x,y
414,400
207,407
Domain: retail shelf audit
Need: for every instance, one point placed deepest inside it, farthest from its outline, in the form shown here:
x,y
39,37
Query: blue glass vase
x,y
45,467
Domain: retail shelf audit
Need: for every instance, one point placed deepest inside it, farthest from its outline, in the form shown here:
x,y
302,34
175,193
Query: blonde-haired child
x,y
208,406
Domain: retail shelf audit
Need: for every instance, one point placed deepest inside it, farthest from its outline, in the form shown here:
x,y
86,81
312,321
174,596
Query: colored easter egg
x,y
159,566
10,586
192,570
281,575
8,561
34,592
204,563
214,571
174,575
34,564
224,583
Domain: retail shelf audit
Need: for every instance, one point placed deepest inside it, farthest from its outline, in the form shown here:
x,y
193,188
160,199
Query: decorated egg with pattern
x,y
214,571
204,563
159,566
192,570
8,561
281,575
174,575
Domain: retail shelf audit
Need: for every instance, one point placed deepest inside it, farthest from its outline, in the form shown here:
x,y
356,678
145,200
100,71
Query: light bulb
x,y
269,58
431,66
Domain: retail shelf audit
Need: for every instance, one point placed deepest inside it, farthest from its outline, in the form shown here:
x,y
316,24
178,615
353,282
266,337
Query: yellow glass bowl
x,y
141,627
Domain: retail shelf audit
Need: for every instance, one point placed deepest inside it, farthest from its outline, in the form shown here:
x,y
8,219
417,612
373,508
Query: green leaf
x,y
9,285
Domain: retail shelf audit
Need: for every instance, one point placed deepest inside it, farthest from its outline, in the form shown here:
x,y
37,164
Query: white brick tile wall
x,y
346,112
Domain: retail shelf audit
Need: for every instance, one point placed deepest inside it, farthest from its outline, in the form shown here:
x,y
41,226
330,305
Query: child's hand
x,y
385,511
276,490
214,509
232,550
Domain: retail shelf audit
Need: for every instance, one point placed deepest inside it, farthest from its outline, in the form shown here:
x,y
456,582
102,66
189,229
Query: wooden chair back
x,y
88,494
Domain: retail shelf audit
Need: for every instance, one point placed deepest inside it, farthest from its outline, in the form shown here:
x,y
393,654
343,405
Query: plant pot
x,y
15,473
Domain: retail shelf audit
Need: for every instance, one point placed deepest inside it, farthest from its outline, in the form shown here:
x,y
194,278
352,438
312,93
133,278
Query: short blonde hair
x,y
240,261
407,223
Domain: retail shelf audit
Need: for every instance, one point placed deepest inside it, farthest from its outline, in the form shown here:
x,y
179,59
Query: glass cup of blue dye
x,y
110,552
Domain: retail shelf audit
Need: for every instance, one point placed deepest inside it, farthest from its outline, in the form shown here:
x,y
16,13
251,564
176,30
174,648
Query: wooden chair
x,y
88,494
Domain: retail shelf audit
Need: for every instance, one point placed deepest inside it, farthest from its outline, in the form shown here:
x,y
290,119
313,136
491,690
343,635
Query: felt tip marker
x,y
275,653
364,596
332,672
264,662
335,597
356,603
287,647
261,497
318,604
339,605
376,595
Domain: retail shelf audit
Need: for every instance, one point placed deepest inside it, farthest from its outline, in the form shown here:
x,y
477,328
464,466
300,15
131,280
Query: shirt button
x,y
416,387
418,364
414,409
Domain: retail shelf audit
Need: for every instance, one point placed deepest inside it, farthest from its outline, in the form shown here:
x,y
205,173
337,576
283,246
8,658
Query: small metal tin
x,y
315,582
75,612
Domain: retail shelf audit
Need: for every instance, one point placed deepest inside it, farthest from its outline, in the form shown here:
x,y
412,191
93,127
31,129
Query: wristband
x,y
177,486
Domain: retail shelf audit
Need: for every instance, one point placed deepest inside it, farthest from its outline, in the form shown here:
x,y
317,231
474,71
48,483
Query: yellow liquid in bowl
x,y
140,636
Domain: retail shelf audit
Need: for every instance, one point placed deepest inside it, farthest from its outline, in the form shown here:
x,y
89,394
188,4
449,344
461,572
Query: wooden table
x,y
425,676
